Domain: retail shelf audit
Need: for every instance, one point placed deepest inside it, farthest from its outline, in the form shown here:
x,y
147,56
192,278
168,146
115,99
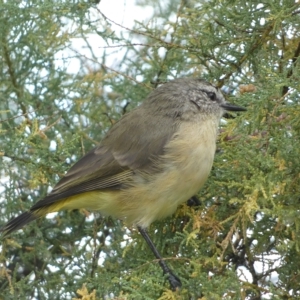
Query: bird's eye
x,y
212,96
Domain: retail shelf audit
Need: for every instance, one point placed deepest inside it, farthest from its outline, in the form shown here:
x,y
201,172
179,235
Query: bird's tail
x,y
18,222
31,215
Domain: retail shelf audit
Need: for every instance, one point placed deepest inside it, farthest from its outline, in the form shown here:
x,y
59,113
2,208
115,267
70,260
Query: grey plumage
x,y
134,145
156,157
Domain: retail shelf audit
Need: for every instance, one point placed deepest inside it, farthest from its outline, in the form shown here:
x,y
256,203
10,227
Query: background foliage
x,y
56,102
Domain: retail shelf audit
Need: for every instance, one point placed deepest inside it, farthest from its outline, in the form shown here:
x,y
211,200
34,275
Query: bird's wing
x,y
130,145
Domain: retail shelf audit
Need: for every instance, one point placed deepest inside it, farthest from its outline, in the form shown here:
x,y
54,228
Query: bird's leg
x,y
193,201
173,279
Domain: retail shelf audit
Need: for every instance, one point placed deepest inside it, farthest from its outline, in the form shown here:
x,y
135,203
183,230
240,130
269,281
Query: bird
x,y
153,159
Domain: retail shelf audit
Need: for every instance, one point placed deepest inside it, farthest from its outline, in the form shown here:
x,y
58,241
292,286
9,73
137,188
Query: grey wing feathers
x,y
129,146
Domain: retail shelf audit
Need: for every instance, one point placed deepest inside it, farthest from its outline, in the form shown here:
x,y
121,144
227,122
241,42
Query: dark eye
x,y
212,96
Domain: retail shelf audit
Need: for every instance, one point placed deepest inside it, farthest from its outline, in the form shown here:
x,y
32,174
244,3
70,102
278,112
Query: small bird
x,y
153,159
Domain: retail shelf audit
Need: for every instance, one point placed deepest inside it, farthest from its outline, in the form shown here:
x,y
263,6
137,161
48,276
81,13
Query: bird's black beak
x,y
232,107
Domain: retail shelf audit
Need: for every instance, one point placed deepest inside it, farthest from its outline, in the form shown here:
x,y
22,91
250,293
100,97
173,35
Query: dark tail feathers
x,y
18,222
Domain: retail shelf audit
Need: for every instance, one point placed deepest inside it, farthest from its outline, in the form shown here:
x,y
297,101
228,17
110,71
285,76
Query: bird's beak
x,y
232,107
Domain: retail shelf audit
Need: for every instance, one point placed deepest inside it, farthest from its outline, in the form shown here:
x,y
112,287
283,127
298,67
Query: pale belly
x,y
189,161
186,166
